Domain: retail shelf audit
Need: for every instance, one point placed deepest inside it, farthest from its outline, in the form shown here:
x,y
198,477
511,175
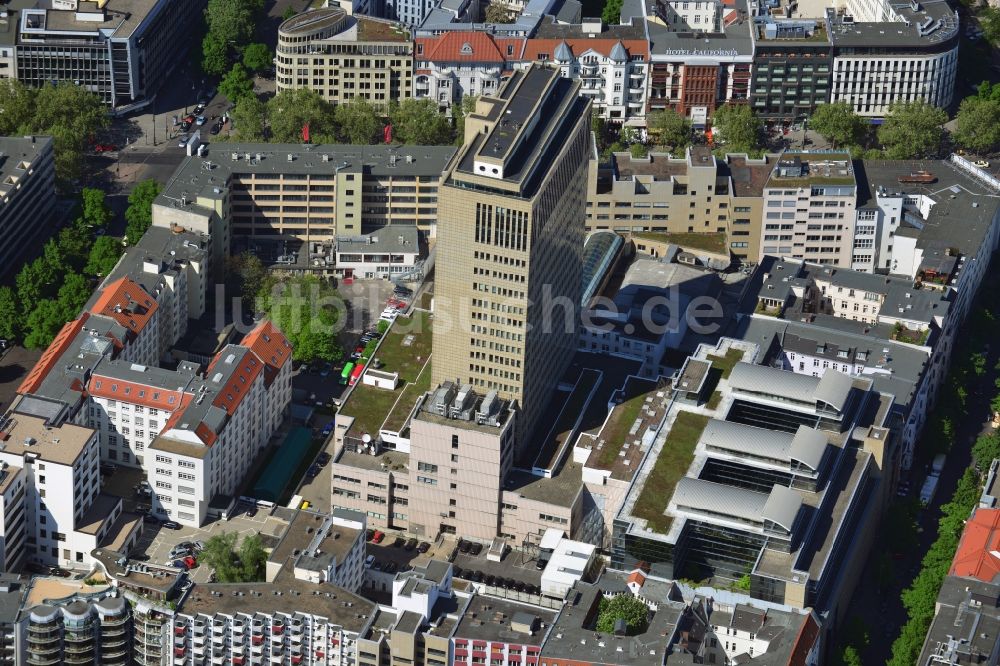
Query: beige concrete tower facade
x,y
511,214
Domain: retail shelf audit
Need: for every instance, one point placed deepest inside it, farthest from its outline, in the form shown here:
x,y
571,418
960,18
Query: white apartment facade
x,y
809,208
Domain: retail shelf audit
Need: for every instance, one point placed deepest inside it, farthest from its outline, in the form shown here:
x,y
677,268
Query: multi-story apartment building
x,y
27,194
289,202
885,52
80,629
791,68
457,63
446,477
517,240
809,204
785,482
52,473
121,50
611,63
656,196
343,57
696,67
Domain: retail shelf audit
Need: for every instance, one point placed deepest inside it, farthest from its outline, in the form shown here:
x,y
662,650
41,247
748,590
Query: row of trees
x,y
358,121
68,113
920,597
52,289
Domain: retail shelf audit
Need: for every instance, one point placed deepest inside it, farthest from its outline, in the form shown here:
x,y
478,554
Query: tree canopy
x,y
418,122
95,210
612,12
499,12
70,114
104,254
236,84
838,124
625,607
359,121
139,214
912,130
307,310
290,110
737,127
257,57
669,128
214,55
250,119
978,124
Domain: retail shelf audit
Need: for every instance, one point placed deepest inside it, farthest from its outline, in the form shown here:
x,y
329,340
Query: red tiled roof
x,y
238,385
637,578
271,346
804,641
535,47
978,554
472,46
186,399
51,355
154,397
127,303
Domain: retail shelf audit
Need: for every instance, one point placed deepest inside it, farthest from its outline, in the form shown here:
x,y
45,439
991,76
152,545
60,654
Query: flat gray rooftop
x,y
559,490
489,619
202,176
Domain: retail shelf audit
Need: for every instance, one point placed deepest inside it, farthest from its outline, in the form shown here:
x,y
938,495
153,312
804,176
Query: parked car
x,y
150,518
58,571
215,128
312,472
104,148
464,546
199,121
252,511
476,549
410,544
369,534
378,536
199,108
190,562
327,429
324,457
182,142
982,164
370,560
398,541
171,525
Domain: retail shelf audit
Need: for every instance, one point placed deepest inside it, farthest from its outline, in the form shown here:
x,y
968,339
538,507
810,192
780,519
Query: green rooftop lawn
x,y
674,460
369,405
408,398
726,363
710,242
618,425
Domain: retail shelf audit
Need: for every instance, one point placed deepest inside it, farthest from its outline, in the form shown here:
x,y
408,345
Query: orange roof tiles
x,y
804,642
977,555
238,385
153,397
547,47
271,346
472,46
127,303
637,578
51,355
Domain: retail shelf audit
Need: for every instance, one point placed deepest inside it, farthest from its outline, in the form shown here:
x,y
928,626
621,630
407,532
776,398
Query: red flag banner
x,y
387,133
305,133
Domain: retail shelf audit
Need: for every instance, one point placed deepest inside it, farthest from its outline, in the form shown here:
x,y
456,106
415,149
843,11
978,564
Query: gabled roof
x,y
51,355
239,380
978,554
271,346
473,46
127,303
609,48
153,397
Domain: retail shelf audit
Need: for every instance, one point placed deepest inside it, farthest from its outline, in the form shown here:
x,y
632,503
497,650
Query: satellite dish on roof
x,y
366,438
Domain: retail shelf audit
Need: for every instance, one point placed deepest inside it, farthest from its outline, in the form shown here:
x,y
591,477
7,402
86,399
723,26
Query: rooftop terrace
x,y
673,462
405,349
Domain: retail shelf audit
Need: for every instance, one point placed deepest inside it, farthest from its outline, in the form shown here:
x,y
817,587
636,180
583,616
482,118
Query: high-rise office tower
x,y
510,236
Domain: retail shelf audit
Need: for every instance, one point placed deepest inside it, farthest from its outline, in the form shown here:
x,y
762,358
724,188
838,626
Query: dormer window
x,y
466,49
